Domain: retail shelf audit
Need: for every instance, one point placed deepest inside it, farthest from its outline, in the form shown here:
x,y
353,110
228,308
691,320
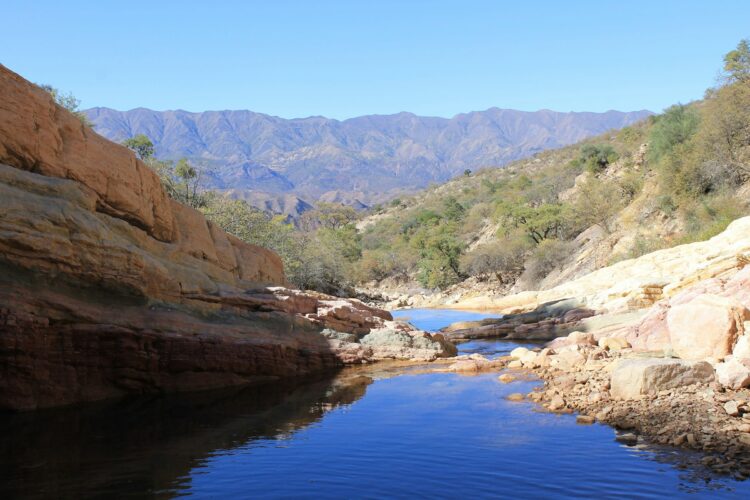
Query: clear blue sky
x,y
347,58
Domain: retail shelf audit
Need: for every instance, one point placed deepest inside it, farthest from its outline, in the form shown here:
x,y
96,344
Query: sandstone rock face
x,y
631,378
706,327
39,136
657,275
108,287
544,323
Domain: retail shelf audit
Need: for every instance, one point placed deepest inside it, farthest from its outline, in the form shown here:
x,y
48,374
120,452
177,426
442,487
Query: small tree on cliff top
x,y
67,101
142,146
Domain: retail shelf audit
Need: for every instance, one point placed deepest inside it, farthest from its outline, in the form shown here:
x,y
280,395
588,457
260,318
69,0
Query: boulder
x,y
741,349
707,327
518,352
732,408
631,378
733,373
568,358
556,403
529,359
574,338
613,343
389,343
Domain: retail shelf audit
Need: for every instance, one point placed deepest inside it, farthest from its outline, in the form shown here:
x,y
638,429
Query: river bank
x,y
392,428
647,399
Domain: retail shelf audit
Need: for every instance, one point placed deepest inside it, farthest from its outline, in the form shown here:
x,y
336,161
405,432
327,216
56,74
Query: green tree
x,y
327,215
737,63
675,126
502,258
452,209
142,146
596,157
67,101
439,255
548,220
598,202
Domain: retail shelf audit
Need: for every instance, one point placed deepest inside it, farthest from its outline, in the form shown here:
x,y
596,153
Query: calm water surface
x,y
366,436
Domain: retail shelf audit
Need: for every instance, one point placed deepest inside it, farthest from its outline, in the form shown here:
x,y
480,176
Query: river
x,y
364,434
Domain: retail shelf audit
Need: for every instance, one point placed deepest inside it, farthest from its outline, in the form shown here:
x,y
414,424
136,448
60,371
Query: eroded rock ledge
x,y
108,287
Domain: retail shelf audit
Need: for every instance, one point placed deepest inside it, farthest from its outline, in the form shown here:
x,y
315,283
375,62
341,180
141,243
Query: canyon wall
x,y
108,287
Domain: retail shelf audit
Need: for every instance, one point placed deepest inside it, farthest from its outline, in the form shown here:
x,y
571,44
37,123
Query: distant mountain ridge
x,y
365,159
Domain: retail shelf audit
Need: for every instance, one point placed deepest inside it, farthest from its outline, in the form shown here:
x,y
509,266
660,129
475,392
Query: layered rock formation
x,y
666,357
637,283
109,287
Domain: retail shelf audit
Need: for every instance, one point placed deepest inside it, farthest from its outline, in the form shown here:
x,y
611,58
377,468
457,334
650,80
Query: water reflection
x,y
149,445
382,431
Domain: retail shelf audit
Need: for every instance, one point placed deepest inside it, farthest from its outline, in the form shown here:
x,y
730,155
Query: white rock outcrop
x,y
631,378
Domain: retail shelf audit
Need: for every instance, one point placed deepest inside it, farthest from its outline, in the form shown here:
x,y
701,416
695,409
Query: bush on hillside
x,y
547,256
503,259
596,157
675,126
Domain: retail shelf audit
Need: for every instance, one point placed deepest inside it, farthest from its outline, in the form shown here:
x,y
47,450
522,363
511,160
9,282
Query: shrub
x,y
547,257
675,126
596,157
503,259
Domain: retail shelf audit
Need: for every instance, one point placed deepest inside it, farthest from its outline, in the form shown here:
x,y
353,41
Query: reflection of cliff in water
x,y
149,445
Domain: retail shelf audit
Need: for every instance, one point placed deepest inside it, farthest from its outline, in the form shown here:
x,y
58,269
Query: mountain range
x,y
358,161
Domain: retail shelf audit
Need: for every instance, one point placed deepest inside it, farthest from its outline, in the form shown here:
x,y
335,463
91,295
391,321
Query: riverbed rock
x,y
706,327
581,338
732,408
518,352
613,343
390,343
733,373
632,378
568,358
556,403
506,378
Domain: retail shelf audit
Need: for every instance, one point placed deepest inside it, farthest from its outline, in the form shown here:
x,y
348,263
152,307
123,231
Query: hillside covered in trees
x,y
673,178
678,177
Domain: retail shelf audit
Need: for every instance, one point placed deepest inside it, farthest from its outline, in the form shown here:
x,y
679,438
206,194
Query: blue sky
x,y
347,58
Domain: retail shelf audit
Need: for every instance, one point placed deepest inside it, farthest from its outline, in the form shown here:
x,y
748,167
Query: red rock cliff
x,y
108,287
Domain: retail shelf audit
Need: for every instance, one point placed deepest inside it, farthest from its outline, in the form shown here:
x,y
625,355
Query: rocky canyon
x,y
108,287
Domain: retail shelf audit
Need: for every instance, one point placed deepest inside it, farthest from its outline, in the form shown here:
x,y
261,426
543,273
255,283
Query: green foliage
x,y
596,157
142,146
503,259
737,63
182,181
710,216
674,127
452,209
439,263
67,101
598,202
548,220
320,260
327,215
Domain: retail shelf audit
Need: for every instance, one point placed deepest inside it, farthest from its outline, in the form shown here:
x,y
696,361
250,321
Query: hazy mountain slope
x,y
378,155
